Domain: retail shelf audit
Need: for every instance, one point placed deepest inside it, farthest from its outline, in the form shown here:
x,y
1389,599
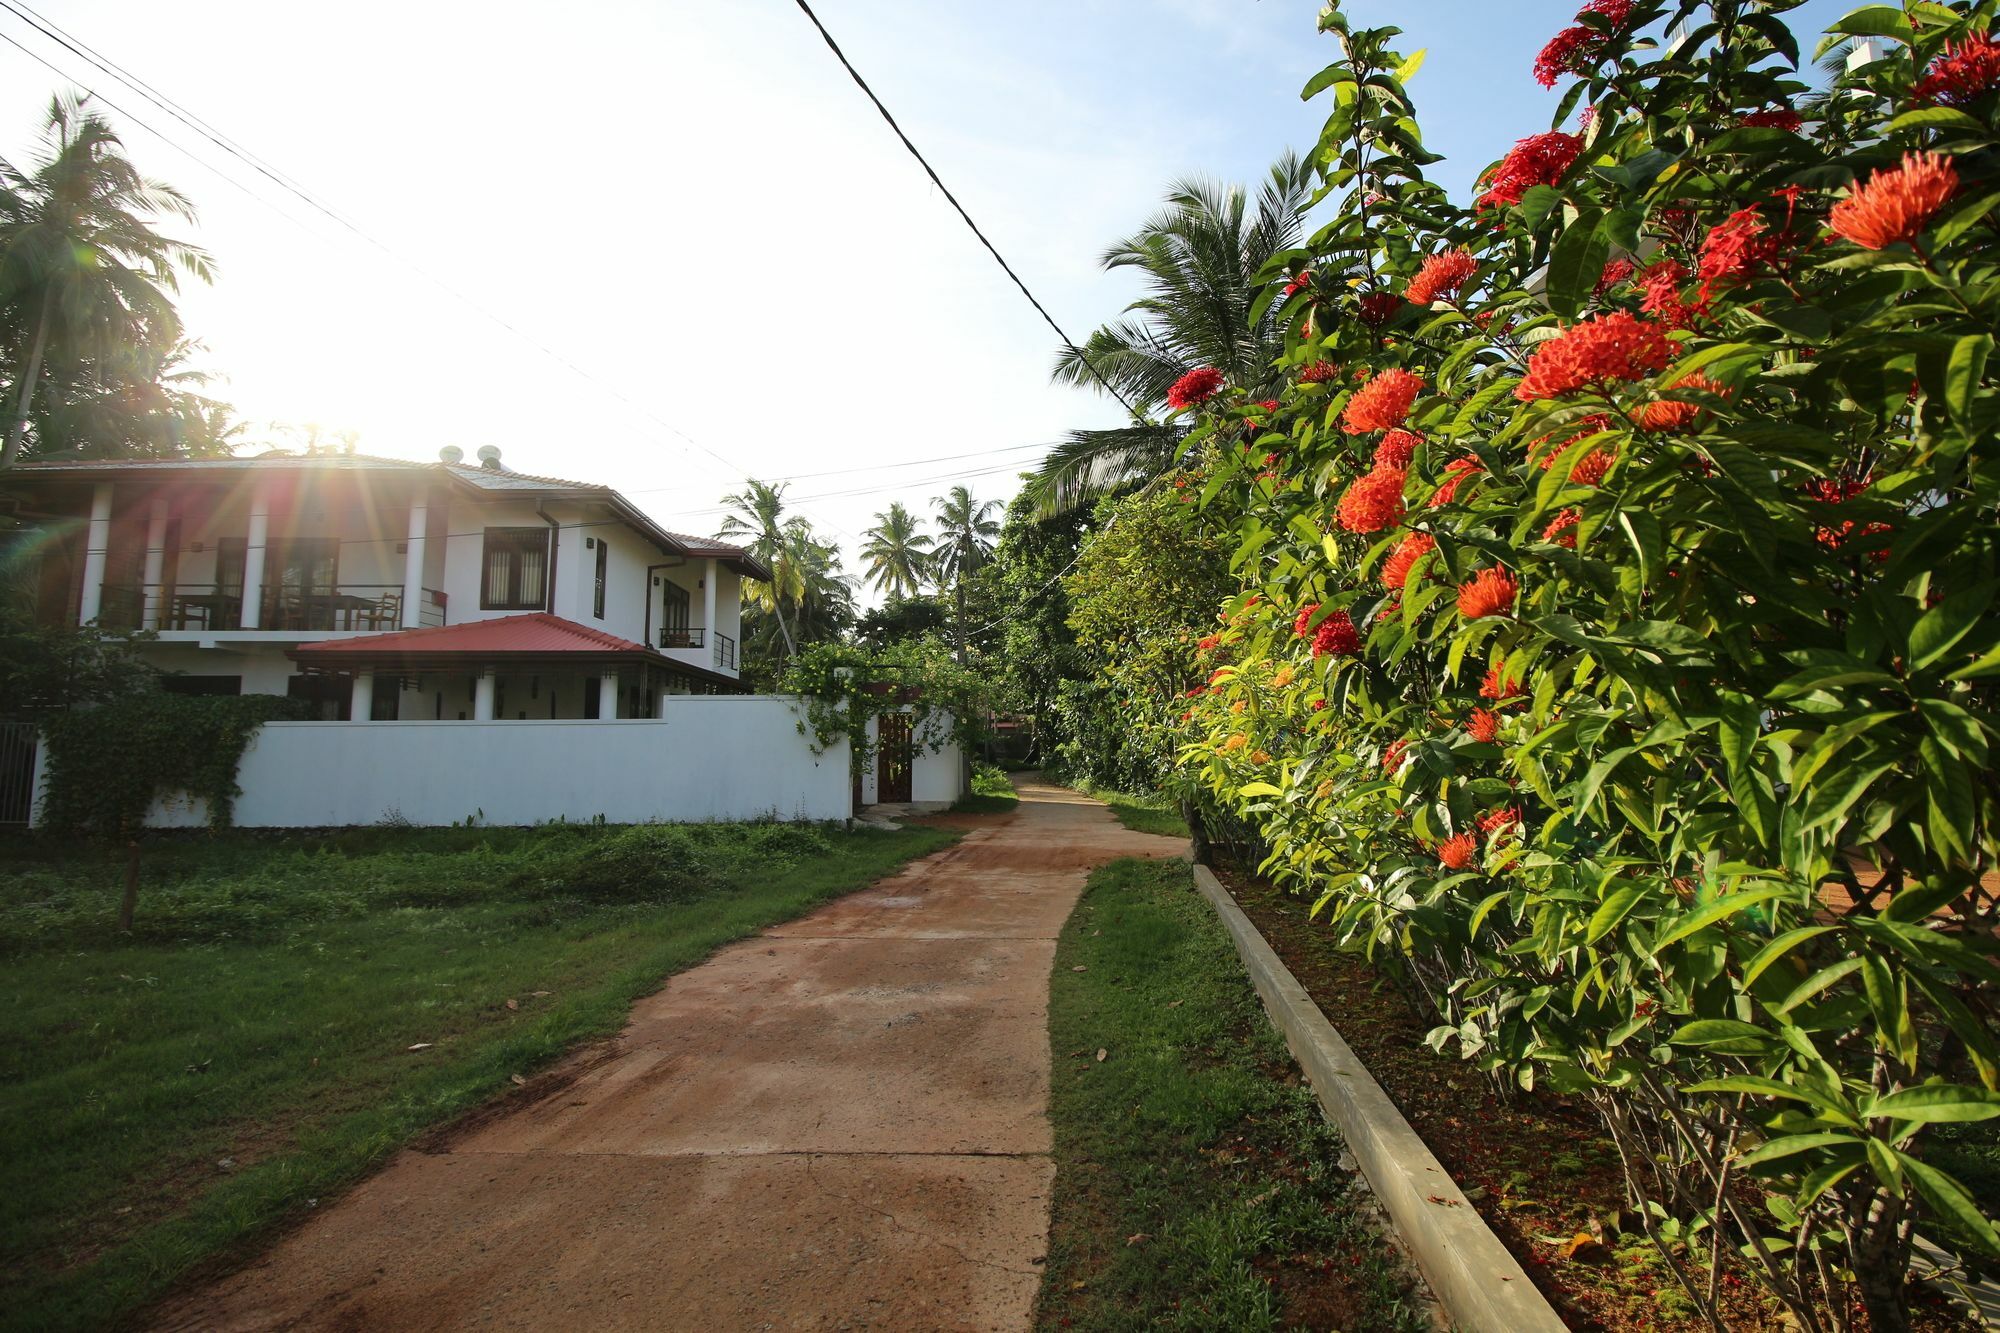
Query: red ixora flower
x,y
1456,472
1303,625
1396,450
1663,414
1208,643
1965,72
1299,283
1490,592
1483,726
1590,469
1597,352
1457,851
1396,569
1497,689
1615,272
1576,49
1373,502
1660,288
1777,118
1539,159
1194,388
1498,823
1441,277
1382,403
1897,203
1562,528
1378,308
1736,248
1337,635
1392,758
1319,372
1833,491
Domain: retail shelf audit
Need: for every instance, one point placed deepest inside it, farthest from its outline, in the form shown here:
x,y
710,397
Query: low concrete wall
x,y
712,757
1481,1287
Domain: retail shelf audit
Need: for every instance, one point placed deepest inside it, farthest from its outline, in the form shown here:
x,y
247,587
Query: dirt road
x,y
840,1123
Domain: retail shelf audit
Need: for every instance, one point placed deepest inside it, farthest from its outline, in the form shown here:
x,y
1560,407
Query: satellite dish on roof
x,y
451,453
489,457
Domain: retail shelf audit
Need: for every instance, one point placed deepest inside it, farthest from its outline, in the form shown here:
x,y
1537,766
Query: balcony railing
x,y
725,652
680,636
208,606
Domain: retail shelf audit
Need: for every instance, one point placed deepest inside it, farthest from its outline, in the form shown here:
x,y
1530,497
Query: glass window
x,y
516,569
603,568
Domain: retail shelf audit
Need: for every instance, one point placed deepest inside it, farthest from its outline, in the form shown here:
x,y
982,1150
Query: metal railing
x,y
725,652
209,606
680,636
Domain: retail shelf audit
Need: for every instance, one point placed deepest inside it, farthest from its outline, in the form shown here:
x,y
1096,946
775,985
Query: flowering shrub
x,y
1656,533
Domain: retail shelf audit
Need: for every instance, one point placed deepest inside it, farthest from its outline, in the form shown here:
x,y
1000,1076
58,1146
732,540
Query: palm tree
x,y
825,595
898,556
1201,257
966,534
758,508
79,266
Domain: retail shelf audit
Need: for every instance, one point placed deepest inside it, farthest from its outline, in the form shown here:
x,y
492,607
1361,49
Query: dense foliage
x,y
1616,633
107,763
845,688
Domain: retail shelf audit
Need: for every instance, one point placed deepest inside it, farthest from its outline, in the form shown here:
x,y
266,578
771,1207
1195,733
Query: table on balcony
x,y
206,610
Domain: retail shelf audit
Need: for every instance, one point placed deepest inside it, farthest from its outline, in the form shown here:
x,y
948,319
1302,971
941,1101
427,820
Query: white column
x,y
607,697
482,698
660,708
413,566
254,543
361,704
96,546
156,564
708,609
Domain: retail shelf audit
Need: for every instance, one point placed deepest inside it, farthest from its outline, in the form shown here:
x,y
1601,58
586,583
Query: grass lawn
x,y
292,1008
1197,1183
1143,814
991,794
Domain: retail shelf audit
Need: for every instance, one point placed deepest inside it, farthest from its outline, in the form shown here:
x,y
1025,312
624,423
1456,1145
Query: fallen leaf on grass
x,y
1102,1055
539,993
1137,1238
1175,1004
1079,968
519,1082
1585,1248
513,1004
420,1046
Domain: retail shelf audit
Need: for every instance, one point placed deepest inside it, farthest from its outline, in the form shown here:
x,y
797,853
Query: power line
x,y
83,51
991,249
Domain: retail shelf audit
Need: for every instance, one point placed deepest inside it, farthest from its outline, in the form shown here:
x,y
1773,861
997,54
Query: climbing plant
x,y
107,763
1616,637
843,687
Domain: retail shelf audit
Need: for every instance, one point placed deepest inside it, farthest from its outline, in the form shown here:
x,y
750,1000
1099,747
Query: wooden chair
x,y
386,613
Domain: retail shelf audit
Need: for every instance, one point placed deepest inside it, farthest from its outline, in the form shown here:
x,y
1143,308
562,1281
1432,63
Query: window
x,y
603,568
516,569
674,614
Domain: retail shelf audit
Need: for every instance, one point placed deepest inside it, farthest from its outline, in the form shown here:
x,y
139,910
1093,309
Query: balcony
x,y
346,606
681,636
725,653
696,637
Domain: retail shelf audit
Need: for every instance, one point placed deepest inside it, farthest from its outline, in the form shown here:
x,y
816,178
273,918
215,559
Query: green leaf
x,y
1937,1103
1408,69
1577,262
1726,1036
1963,375
1837,796
1948,622
1259,789
1611,911
1326,78
1777,949
1757,1087
1949,1200
1936,118
1875,21
1711,912
1537,203
1792,1144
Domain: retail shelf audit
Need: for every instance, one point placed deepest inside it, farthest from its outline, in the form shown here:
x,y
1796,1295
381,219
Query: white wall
x,y
713,757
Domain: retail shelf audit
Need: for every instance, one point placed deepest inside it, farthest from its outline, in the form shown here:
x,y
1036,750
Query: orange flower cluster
x,y
1590,469
1490,592
1441,277
1498,823
1396,569
1897,203
1493,687
1599,351
1457,851
1392,758
1194,388
1319,372
1337,635
1539,159
1398,447
1374,502
1663,414
1562,528
1455,474
1736,248
1383,403
1483,726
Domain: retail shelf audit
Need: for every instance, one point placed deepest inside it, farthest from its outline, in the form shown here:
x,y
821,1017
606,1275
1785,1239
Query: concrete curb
x,y
1482,1288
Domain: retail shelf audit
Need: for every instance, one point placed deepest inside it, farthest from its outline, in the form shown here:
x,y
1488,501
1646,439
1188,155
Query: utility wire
x,y
931,171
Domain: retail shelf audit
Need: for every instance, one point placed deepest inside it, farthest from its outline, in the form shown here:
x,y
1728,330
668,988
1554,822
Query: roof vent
x,y
489,458
451,453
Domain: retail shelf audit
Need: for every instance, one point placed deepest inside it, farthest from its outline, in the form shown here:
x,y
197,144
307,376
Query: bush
x,y
1625,578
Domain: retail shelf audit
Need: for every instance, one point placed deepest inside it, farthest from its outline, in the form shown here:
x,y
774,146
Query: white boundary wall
x,y
712,757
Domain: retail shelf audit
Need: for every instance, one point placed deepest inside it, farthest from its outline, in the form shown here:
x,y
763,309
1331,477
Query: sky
x,y
666,244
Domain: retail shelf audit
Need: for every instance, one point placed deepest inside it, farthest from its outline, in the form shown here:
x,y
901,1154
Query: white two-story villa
x,y
386,590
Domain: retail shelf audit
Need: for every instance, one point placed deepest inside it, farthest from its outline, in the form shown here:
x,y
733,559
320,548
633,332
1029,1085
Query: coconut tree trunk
x,y
958,596
31,374
784,630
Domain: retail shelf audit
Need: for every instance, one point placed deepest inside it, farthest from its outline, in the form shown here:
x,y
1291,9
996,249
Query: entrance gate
x,y
894,758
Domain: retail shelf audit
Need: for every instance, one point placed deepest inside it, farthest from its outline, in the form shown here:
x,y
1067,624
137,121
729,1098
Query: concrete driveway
x,y
840,1123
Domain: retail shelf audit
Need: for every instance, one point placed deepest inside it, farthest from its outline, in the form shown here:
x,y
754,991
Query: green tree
x,y
757,518
898,555
83,276
1201,257
966,533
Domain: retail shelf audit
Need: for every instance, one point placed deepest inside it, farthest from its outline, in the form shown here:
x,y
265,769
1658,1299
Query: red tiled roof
x,y
532,632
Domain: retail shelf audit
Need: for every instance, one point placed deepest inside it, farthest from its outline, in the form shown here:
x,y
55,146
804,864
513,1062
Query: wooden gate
x,y
894,758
